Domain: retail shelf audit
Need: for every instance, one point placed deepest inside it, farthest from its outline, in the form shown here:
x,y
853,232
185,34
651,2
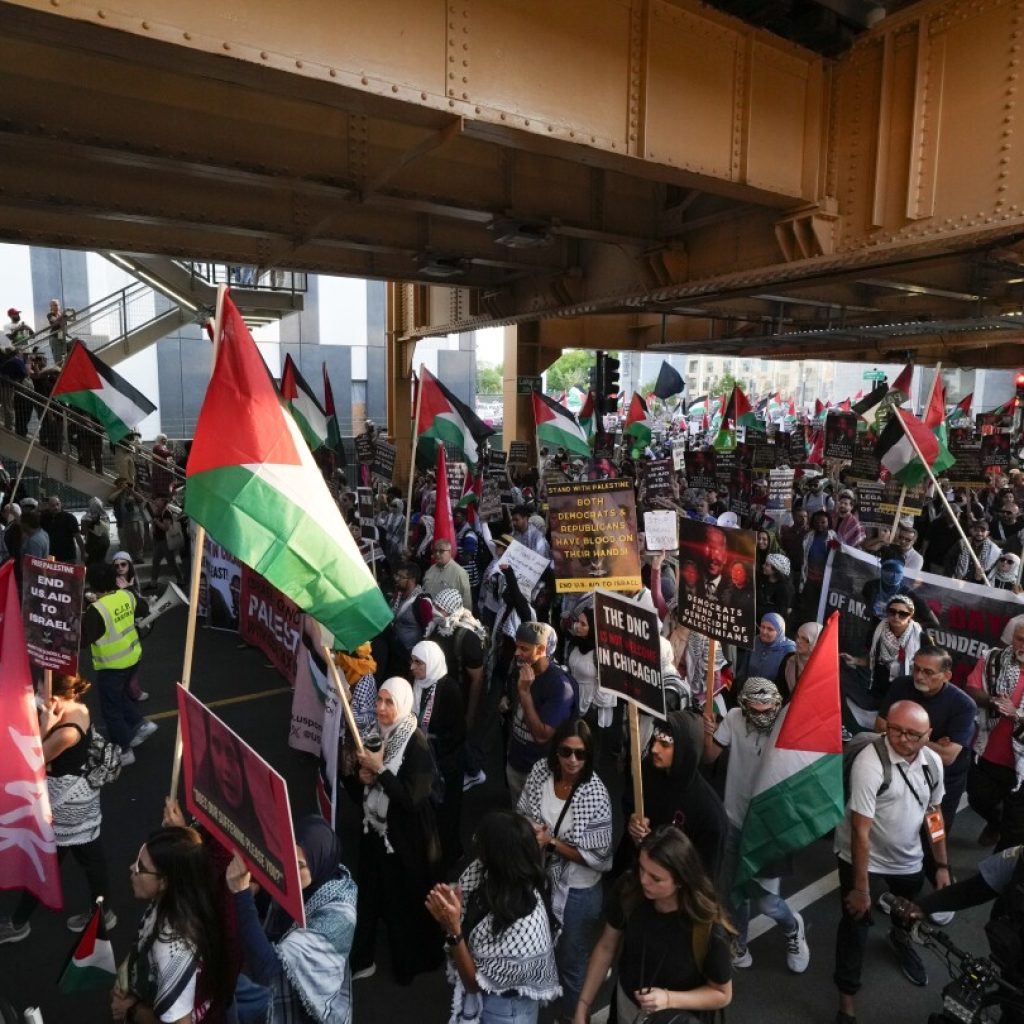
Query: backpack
x,y
102,762
853,748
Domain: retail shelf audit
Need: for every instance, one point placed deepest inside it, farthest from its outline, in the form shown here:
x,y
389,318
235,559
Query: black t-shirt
x,y
951,714
657,949
462,650
62,527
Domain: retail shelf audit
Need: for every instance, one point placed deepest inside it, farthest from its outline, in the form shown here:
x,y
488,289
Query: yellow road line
x,y
227,700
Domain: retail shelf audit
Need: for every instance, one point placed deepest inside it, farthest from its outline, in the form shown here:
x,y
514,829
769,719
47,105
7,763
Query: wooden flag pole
x,y
709,681
342,692
899,513
198,542
945,500
412,457
634,756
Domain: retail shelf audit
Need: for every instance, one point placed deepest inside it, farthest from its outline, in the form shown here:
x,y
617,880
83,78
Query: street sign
x,y
527,385
874,375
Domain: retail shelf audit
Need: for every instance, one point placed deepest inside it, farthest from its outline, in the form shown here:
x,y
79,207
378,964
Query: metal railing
x,y
246,275
109,319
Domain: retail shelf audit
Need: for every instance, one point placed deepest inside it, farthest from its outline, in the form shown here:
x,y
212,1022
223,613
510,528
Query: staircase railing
x,y
245,275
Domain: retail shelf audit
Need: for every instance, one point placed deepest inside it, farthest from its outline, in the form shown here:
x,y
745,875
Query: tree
x,y
489,379
724,385
572,369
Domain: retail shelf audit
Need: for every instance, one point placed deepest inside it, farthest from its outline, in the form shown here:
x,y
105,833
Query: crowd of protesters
x,y
477,681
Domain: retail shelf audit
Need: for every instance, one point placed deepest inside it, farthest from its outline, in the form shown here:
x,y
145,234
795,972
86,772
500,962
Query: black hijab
x,y
322,849
585,644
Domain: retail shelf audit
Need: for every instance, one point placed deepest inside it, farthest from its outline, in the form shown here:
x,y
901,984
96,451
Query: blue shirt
x,y
554,700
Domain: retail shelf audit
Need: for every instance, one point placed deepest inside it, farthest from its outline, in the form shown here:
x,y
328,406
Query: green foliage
x,y
489,379
647,389
572,369
724,385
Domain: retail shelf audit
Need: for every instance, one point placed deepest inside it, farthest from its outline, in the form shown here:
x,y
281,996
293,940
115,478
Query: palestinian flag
x,y
333,430
638,422
819,408
557,427
935,420
896,452
88,384
798,789
443,417
303,406
91,962
738,413
252,482
902,384
585,418
963,409
868,405
444,525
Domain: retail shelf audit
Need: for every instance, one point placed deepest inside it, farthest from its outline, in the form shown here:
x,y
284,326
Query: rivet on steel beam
x,y
298,63
423,95
145,26
333,73
451,74
187,35
476,110
451,59
503,117
264,55
364,81
101,14
55,3
451,103
227,46
527,123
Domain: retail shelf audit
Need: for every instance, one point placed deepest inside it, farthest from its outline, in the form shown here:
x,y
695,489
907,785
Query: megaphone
x,y
170,598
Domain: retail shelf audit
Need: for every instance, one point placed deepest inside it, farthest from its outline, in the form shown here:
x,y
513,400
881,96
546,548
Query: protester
x,y
571,813
794,663
894,643
178,969
168,539
306,969
775,588
499,928
959,565
399,851
669,905
413,612
66,729
96,533
1005,574
63,530
446,573
771,645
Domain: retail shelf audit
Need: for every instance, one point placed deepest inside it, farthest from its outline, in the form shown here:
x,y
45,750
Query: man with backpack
x,y
895,787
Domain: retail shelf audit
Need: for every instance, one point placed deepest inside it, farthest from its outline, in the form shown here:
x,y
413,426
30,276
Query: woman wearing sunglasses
x,y
571,814
178,970
1005,574
896,640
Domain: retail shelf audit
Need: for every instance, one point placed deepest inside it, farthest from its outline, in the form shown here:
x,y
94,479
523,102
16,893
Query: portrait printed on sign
x,y
716,582
220,586
240,799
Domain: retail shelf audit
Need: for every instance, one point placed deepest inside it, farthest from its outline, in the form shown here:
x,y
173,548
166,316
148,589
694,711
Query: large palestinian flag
x,y
557,427
88,384
91,963
252,482
303,405
904,443
445,418
639,425
798,790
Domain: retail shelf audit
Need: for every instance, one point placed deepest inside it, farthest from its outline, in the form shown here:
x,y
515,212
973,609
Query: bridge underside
x,y
624,173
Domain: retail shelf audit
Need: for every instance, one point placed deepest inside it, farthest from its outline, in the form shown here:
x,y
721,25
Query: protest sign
x,y
383,466
490,501
519,453
995,451
869,505
235,794
364,449
990,422
593,536
628,646
971,617
270,621
764,455
657,478
725,465
968,470
741,482
660,531
51,609
913,501
364,510
314,689
717,587
865,465
840,434
780,490
496,463
700,468
797,444
526,564
220,586
456,481
679,455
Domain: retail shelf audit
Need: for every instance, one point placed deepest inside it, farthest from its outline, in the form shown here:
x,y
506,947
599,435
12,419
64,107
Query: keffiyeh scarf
x,y
895,651
1001,675
375,800
519,959
987,555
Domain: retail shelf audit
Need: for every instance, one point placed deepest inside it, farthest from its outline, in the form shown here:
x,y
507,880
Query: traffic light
x,y
610,384
595,382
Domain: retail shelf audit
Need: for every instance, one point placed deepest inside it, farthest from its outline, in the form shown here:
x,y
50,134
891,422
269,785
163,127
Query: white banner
x,y
527,565
661,531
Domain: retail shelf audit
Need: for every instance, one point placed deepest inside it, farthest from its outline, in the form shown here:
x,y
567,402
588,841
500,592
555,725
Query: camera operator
x,y
1000,878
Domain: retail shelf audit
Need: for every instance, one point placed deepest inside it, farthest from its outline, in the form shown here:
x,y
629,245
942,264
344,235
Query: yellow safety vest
x,y
119,647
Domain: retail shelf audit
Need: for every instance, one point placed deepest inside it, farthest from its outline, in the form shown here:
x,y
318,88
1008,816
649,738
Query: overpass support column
x,y
524,357
399,386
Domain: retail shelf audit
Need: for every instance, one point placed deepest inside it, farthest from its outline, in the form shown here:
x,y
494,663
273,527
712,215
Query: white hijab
x,y
401,694
396,738
436,665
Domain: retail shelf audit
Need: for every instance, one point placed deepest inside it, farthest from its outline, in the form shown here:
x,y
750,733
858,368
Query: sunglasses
x,y
138,869
576,753
898,614
1009,561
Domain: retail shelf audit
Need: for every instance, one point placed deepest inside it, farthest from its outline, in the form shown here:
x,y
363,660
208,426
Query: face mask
x,y
762,721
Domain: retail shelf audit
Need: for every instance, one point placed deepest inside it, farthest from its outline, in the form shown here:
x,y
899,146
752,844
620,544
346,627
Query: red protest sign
x,y
241,800
52,610
270,621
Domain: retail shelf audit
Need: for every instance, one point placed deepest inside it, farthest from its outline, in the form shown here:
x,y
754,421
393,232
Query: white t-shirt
x,y
894,843
578,876
746,747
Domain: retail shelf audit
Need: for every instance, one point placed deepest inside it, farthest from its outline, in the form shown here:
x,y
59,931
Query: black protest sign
x,y
869,505
495,465
995,451
384,461
865,466
700,468
519,453
628,649
490,501
797,444
364,499
717,585
657,477
456,481
364,449
968,470
51,608
840,434
780,490
913,500
725,465
765,454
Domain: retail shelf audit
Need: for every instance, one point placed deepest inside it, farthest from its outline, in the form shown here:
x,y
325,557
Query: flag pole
x,y
346,706
903,489
945,500
412,458
709,681
198,543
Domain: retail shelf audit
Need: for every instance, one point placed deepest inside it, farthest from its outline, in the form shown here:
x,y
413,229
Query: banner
x,y
526,564
840,434
271,622
628,648
593,536
383,466
220,586
971,617
700,468
657,478
660,531
495,466
679,455
720,601
241,800
51,609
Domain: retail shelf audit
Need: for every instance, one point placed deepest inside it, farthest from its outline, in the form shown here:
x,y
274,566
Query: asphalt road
x,y
252,699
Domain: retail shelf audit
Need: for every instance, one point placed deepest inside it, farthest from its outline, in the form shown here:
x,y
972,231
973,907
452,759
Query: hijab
x,y
766,658
1005,576
402,695
396,737
425,689
357,664
322,848
797,663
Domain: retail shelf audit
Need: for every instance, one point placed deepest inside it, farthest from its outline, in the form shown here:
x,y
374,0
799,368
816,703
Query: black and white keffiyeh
x,y
396,738
590,832
987,554
519,959
896,652
1001,675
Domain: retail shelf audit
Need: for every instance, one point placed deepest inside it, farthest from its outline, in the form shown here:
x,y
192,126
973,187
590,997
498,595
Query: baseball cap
x,y
532,633
13,312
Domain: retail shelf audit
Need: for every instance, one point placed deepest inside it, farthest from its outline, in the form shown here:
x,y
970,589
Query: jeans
x,y
508,1009
762,893
581,921
119,710
252,1001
